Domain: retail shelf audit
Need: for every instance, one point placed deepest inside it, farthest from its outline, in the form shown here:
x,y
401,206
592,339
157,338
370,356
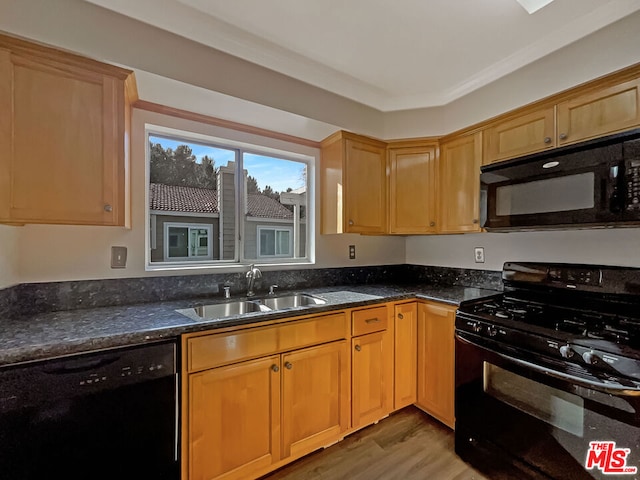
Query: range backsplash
x,y
30,298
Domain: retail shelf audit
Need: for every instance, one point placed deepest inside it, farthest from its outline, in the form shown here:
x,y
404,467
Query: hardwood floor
x,y
408,445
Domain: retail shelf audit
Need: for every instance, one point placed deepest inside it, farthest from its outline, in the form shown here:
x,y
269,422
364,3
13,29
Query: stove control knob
x,y
589,358
477,327
492,331
566,351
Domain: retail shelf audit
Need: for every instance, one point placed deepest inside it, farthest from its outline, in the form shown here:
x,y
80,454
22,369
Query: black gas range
x,y
556,357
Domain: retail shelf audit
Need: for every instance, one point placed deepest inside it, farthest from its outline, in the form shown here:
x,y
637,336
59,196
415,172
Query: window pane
x,y
192,183
283,237
178,242
276,192
267,242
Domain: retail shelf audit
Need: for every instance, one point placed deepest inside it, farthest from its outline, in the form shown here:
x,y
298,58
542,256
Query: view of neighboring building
x,y
189,223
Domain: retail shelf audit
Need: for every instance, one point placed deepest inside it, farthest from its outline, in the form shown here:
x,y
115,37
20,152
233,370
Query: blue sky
x,y
277,173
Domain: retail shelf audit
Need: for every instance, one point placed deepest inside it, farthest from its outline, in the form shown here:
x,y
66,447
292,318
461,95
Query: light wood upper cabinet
x,y
405,352
436,361
412,189
600,112
520,135
459,182
65,137
353,184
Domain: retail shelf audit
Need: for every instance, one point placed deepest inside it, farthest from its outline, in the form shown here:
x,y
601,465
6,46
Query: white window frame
x,y
275,228
297,153
198,226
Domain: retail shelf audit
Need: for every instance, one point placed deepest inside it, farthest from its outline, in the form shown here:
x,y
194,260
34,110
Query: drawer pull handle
x,y
372,320
358,348
400,316
288,365
275,368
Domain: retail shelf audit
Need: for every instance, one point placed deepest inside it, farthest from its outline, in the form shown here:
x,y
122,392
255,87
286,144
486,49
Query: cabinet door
x,y
62,159
372,378
436,359
412,190
234,420
519,136
365,188
406,353
598,113
315,397
459,192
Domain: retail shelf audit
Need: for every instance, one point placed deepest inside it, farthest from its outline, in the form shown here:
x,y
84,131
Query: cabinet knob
x,y
358,348
563,136
350,222
275,368
475,220
288,365
400,316
108,208
432,224
547,139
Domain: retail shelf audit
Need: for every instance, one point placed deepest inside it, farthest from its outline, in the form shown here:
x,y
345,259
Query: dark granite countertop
x,y
53,334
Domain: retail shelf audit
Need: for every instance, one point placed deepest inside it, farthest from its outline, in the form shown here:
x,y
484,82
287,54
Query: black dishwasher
x,y
106,415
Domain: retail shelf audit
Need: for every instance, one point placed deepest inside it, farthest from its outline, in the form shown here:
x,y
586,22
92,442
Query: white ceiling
x,y
414,54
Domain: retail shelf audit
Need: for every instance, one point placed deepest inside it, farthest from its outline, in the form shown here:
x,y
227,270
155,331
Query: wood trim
x,y
31,48
218,122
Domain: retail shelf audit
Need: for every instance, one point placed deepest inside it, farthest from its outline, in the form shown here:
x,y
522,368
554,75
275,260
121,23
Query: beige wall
x,y
601,246
8,256
80,252
37,253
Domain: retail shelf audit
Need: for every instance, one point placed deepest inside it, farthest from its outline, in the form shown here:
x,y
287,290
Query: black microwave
x,y
590,184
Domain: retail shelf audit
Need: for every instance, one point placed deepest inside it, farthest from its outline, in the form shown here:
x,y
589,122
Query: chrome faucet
x,y
253,273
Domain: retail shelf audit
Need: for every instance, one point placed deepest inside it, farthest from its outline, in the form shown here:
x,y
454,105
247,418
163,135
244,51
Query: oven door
x,y
525,420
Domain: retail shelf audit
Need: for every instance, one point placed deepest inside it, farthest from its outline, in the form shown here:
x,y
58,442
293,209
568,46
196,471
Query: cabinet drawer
x,y
369,320
214,350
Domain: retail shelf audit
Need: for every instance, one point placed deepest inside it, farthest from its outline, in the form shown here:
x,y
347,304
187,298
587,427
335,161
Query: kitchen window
x,y
218,202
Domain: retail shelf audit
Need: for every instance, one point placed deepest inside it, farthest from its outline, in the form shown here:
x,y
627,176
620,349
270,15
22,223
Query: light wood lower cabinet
x,y
315,407
241,420
234,419
372,366
436,361
406,354
259,397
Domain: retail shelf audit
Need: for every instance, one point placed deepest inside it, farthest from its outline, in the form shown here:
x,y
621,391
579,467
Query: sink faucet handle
x,y
271,291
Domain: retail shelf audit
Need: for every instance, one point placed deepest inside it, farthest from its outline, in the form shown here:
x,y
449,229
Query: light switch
x,y
118,257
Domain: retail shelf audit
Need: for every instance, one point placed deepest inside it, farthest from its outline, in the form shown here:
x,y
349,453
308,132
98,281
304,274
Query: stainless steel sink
x,y
292,301
240,307
221,310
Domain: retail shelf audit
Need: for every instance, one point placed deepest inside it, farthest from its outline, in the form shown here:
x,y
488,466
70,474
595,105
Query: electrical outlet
x,y
479,254
118,257
352,252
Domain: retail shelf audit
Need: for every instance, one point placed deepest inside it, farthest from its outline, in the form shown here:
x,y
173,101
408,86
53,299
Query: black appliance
x,y
548,374
106,415
594,183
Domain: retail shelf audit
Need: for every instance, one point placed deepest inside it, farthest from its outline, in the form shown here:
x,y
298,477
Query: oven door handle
x,y
619,391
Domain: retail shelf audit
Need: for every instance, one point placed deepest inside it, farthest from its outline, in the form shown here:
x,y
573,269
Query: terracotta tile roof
x,y
173,198
266,207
